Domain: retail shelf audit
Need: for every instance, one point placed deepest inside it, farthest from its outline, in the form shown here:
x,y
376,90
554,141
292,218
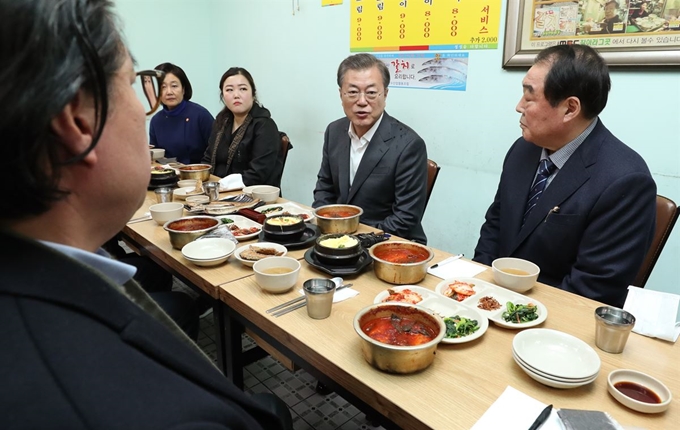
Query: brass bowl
x,y
411,271
394,358
195,171
188,229
338,218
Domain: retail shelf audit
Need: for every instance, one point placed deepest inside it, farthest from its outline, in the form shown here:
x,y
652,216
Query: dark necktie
x,y
545,169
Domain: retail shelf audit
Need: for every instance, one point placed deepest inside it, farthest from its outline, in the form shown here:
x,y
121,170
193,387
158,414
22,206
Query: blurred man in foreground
x,y
84,346
370,159
572,197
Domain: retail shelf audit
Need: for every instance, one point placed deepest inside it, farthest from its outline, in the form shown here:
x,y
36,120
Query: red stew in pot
x,y
398,330
337,213
401,255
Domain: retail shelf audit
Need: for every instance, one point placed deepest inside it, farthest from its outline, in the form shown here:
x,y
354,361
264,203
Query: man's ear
x,y
572,108
74,127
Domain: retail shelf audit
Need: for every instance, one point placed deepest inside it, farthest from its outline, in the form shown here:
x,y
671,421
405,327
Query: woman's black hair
x,y
177,71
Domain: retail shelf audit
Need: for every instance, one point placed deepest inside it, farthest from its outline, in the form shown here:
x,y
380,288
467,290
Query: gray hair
x,y
363,62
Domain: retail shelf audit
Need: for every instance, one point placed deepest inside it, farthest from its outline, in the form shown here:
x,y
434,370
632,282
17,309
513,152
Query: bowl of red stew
x,y
188,229
340,219
195,171
399,337
400,262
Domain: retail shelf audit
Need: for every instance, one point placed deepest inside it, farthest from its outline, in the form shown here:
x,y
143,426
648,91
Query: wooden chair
x,y
285,147
666,216
432,173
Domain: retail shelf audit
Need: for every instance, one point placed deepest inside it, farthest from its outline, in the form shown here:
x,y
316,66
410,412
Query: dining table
x,y
454,392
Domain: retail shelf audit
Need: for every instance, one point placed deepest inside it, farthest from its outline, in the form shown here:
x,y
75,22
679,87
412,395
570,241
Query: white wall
x,y
294,58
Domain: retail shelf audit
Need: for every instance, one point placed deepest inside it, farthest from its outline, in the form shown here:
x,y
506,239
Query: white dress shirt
x,y
358,147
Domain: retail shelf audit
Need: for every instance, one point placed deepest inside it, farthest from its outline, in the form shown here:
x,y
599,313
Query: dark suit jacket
x,y
77,354
390,184
595,244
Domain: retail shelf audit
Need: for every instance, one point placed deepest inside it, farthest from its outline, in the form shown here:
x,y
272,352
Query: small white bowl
x,y
266,193
208,252
197,200
250,263
187,183
514,281
249,190
648,382
276,283
164,212
157,153
181,193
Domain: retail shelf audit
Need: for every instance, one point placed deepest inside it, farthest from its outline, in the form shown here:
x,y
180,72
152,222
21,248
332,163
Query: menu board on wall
x,y
419,25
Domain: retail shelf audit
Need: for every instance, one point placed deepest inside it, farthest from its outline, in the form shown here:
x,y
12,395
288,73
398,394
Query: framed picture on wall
x,y
624,32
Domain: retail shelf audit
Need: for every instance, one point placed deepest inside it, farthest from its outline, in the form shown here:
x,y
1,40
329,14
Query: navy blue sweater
x,y
183,132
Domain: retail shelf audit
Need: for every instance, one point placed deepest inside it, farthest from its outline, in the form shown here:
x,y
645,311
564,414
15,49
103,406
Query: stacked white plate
x,y
209,251
555,359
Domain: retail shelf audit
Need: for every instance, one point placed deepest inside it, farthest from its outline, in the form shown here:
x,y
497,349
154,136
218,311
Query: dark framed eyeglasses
x,y
148,88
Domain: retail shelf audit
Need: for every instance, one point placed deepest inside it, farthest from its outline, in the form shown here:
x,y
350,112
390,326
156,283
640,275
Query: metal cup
x,y
163,195
612,327
319,293
212,189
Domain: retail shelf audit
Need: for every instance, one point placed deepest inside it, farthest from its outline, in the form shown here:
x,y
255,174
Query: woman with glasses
x,y
182,127
244,138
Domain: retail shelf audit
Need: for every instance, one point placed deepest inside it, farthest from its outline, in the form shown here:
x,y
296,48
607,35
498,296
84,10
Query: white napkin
x,y
338,296
654,313
514,410
452,268
232,182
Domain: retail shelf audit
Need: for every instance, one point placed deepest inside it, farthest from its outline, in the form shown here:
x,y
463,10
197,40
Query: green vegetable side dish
x,y
458,326
226,220
274,209
518,314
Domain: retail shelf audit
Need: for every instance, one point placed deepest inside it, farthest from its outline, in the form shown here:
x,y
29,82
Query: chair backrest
x,y
285,147
666,216
432,173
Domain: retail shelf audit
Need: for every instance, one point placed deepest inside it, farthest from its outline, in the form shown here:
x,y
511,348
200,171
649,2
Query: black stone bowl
x,y
284,227
338,256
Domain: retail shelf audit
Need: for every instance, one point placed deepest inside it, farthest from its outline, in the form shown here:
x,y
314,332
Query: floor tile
x,y
289,388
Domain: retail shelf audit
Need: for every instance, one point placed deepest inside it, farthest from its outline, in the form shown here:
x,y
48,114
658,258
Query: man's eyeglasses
x,y
354,95
148,88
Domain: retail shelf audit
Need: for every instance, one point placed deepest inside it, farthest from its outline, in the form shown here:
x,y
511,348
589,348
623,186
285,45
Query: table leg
x,y
232,352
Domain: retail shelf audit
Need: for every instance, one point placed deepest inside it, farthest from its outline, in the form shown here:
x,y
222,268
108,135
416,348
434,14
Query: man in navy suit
x,y
591,222
370,159
83,346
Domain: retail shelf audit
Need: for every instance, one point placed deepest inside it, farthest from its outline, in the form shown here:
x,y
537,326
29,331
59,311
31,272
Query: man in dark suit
x,y
586,214
370,159
83,346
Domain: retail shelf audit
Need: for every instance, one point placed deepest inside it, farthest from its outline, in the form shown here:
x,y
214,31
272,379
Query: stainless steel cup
x,y
612,327
319,293
163,195
212,189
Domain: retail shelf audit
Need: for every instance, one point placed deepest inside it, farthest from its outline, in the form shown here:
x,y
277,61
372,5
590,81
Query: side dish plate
x,y
502,295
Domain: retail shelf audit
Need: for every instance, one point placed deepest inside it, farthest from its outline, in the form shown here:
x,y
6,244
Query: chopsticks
x,y
145,217
297,303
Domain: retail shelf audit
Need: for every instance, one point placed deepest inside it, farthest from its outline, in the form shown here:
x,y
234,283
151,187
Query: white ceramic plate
x,y
289,207
208,252
241,222
556,353
443,307
502,295
552,382
249,263
181,193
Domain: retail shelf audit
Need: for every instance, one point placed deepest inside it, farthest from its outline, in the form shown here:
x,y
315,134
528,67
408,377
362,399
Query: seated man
x,y
572,197
83,346
370,159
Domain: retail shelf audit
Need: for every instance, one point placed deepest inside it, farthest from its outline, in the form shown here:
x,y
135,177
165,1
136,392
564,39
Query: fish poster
x,y
430,71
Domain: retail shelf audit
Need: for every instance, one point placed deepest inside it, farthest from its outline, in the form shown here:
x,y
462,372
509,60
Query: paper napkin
x,y
232,182
514,410
452,268
655,313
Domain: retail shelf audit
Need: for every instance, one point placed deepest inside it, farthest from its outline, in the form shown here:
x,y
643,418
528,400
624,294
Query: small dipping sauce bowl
x,y
639,391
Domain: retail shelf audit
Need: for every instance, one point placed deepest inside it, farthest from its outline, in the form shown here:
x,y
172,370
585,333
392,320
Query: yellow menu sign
x,y
409,25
